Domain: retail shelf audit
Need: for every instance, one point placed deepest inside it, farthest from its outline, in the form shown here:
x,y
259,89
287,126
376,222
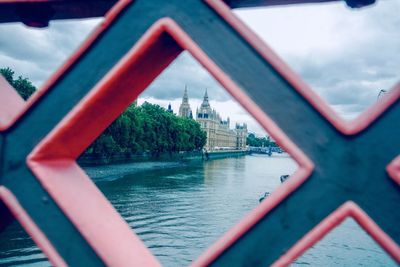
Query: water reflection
x,y
18,249
346,245
178,210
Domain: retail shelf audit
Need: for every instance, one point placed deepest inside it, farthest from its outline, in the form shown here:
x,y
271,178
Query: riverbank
x,y
107,170
177,157
112,172
220,154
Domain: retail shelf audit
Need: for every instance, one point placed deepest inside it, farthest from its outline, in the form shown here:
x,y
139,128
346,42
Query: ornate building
x,y
241,135
184,108
219,133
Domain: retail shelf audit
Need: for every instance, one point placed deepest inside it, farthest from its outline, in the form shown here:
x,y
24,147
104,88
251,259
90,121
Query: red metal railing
x,y
45,189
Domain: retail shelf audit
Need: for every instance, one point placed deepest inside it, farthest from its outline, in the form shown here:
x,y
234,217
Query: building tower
x,y
205,116
170,110
205,111
241,135
219,134
184,108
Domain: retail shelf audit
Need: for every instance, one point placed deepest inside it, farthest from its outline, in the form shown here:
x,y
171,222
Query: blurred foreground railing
x,y
345,169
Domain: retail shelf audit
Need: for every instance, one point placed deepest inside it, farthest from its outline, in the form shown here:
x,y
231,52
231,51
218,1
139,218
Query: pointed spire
x,y
184,109
205,100
185,98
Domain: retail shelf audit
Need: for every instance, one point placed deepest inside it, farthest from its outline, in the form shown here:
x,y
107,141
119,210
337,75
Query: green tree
x,y
23,86
148,128
8,74
255,141
145,128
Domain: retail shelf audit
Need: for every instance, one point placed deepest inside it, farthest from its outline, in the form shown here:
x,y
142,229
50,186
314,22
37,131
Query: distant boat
x,y
266,194
284,177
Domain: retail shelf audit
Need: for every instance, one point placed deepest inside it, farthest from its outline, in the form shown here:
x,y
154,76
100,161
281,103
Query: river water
x,y
178,210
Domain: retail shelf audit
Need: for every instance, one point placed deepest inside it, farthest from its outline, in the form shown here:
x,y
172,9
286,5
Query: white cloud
x,y
346,55
37,53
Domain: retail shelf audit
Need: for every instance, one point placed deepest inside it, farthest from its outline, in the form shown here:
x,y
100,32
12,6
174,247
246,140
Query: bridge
x,y
266,150
68,217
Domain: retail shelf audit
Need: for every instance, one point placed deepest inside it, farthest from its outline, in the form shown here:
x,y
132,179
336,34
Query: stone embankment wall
x,y
143,157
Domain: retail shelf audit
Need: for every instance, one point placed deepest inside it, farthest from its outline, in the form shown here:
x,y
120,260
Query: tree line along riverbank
x,y
142,133
140,130
148,129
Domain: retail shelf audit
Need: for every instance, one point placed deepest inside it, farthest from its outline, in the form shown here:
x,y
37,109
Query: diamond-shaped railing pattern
x,y
14,209
346,169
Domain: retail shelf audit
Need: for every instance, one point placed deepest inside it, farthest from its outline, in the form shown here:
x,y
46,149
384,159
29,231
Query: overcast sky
x,y
347,56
